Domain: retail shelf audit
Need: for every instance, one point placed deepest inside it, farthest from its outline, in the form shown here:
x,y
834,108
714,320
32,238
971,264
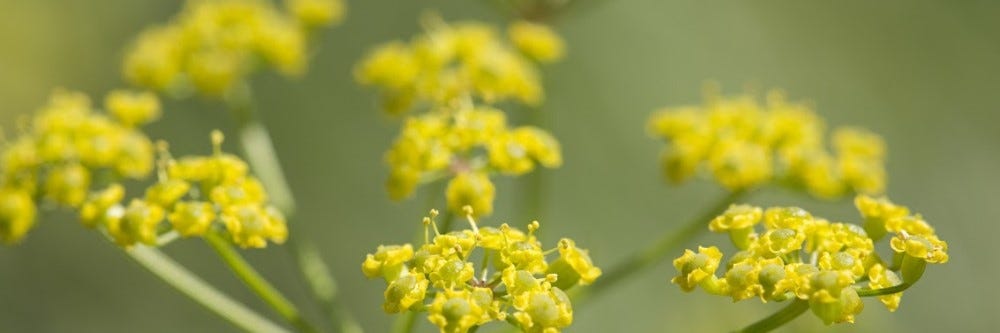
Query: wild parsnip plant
x,y
451,85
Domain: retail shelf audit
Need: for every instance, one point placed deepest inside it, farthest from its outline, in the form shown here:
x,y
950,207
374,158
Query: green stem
x,y
865,292
447,221
655,253
256,282
783,316
199,291
259,150
405,322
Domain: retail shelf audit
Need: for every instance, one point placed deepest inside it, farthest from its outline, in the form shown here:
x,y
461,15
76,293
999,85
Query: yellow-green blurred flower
x,y
745,144
537,41
453,62
213,46
17,214
467,145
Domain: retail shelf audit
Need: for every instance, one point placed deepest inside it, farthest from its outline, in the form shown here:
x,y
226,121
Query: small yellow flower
x,y
133,108
537,41
391,65
192,218
68,184
880,277
167,192
471,189
314,13
456,311
877,212
243,191
928,248
17,214
137,225
736,217
545,311
581,267
405,291
252,225
450,273
739,165
387,260
839,310
97,210
155,59
696,267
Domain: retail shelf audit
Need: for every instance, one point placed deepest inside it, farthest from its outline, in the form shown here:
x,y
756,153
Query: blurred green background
x,y
925,74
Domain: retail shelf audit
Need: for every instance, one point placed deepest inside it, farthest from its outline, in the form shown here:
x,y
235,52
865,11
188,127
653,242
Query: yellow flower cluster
x,y
191,194
69,146
515,282
467,145
213,45
743,144
797,255
72,149
452,62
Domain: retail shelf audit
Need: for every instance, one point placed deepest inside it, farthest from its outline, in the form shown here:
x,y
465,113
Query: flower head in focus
x,y
798,256
468,278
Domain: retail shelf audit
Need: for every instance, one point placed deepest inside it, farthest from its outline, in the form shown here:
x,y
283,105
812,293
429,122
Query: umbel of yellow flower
x,y
213,45
451,62
742,144
798,256
468,145
67,144
514,282
73,156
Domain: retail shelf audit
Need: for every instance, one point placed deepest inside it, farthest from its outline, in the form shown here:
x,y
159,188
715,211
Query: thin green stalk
x,y
534,199
405,322
865,292
257,283
259,150
198,290
447,222
783,316
654,254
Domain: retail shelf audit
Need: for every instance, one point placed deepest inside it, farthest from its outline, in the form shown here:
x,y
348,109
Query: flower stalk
x,y
263,159
657,251
783,316
200,291
257,283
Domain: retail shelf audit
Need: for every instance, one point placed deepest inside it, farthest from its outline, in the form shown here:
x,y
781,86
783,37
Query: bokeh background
x,y
925,74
